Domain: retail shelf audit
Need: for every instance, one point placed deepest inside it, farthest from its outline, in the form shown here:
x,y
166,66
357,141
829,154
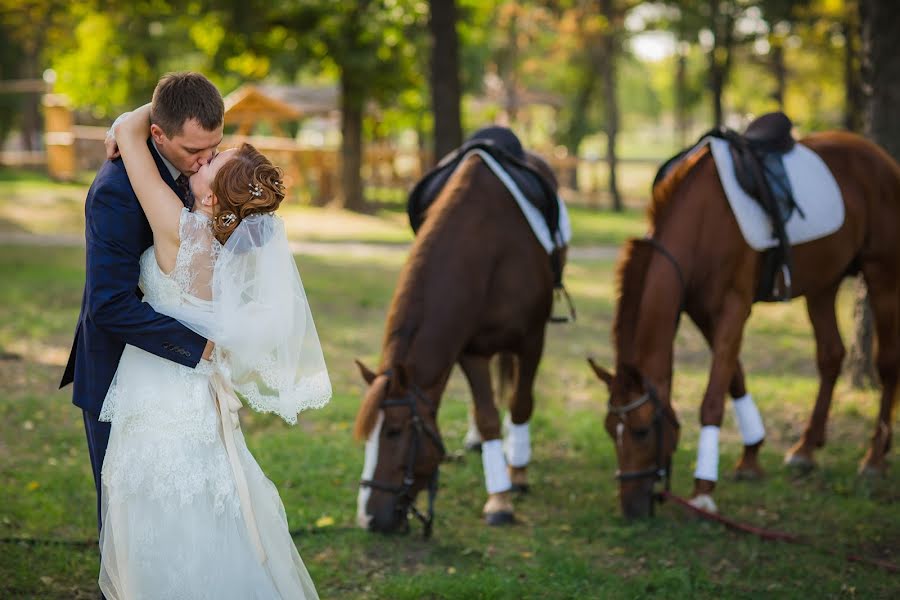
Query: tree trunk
x,y
881,76
445,86
352,101
853,92
859,360
681,124
780,72
719,57
577,128
610,101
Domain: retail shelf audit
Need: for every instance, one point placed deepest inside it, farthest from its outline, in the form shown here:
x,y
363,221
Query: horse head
x,y
403,451
645,432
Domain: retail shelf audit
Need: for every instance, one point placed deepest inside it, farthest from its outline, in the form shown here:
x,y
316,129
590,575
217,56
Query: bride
x,y
187,512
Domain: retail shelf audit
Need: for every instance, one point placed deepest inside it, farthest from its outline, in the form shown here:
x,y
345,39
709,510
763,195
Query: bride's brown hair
x,y
248,184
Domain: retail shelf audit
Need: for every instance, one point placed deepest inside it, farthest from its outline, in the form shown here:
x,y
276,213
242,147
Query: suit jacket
x,y
112,314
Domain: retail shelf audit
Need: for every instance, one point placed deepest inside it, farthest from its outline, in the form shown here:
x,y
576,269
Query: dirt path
x,y
298,247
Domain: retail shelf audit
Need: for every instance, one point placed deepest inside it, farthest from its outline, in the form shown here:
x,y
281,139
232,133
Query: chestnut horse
x,y
477,283
695,260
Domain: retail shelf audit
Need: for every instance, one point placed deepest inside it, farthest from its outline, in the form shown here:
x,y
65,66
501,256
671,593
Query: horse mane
x,y
665,189
368,410
407,308
630,276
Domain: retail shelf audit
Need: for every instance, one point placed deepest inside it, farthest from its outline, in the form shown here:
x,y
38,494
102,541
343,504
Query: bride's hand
x,y
138,117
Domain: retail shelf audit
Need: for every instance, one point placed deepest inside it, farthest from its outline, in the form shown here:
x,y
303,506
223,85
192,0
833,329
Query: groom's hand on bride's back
x,y
207,352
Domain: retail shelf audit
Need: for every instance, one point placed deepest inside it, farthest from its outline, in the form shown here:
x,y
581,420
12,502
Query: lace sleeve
x,y
197,254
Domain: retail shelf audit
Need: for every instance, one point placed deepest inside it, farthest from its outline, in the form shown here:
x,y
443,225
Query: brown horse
x,y
696,260
476,283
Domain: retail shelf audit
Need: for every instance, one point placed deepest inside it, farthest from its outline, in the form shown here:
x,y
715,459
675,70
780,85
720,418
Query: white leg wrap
x,y
496,477
749,420
708,454
517,443
369,464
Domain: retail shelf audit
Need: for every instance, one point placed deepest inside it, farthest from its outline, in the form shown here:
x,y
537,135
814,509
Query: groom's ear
x,y
157,133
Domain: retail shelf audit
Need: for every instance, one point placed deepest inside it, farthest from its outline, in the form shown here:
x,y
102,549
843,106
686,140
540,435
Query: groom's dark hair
x,y
180,97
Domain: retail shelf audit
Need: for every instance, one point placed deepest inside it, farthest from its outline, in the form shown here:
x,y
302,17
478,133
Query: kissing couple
x,y
192,304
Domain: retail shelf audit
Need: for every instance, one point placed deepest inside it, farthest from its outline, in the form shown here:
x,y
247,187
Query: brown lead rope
x,y
772,535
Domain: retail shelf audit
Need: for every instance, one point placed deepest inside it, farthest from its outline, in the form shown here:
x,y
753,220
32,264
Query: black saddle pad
x,y
503,145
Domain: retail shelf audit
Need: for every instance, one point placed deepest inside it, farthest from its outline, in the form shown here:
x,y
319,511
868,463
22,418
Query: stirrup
x,y
560,293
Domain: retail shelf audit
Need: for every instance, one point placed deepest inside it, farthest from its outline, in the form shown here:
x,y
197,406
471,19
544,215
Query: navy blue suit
x,y
112,314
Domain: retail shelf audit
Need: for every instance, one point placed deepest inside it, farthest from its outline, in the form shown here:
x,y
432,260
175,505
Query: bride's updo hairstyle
x,y
248,184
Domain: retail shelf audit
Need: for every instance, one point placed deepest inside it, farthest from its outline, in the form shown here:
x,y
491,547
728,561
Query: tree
x,y
610,43
880,72
371,45
444,76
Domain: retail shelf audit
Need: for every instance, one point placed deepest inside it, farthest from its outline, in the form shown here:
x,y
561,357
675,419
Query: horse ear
x,y
368,410
366,373
602,373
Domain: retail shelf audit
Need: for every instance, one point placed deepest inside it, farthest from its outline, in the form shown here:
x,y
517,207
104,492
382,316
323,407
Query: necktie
x,y
184,191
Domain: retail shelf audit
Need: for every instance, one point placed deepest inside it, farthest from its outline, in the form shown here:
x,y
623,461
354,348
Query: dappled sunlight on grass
x,y
570,541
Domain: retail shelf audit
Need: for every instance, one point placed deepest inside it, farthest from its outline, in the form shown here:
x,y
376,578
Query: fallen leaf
x,y
32,485
451,570
324,521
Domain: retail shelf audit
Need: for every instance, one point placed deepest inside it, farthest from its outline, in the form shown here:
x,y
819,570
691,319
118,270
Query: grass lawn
x,y
31,203
570,541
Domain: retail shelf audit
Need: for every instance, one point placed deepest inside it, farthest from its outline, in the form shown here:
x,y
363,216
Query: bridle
x,y
403,498
662,470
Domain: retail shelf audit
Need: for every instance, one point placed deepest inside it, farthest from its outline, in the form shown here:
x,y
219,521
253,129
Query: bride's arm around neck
x,y
161,205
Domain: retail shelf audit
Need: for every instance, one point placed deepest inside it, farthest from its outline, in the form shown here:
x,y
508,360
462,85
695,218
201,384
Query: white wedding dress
x,y
173,521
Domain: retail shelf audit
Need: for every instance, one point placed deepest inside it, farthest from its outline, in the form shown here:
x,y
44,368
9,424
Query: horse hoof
x,y
520,488
799,462
871,471
748,474
704,502
472,447
499,518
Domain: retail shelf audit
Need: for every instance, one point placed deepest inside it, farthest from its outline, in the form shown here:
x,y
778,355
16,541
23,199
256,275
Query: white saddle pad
x,y
532,214
815,192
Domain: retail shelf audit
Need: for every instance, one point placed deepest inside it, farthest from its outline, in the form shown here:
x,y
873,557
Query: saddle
x,y
503,145
759,168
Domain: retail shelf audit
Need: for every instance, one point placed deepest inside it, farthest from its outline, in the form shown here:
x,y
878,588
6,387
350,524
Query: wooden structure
x,y
248,106
59,137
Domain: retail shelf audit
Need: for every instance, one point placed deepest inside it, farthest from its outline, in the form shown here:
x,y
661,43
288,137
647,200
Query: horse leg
x,y
885,298
472,440
498,510
521,406
746,413
829,358
750,425
725,349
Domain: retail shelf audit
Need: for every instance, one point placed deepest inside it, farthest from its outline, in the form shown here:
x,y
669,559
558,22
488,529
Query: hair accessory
x,y
255,190
228,219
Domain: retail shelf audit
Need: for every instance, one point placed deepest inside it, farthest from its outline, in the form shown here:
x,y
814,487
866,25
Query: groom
x,y
187,118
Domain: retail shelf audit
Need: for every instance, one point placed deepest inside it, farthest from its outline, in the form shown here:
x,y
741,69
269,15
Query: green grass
x,y
570,541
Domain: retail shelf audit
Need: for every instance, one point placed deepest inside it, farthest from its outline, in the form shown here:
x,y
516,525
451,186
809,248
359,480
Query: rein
x,y
774,535
403,498
662,470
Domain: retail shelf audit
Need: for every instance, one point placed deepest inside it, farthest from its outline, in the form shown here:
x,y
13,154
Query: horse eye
x,y
640,433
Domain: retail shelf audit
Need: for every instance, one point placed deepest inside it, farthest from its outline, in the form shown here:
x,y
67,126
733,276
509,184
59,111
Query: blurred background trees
x,y
596,80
